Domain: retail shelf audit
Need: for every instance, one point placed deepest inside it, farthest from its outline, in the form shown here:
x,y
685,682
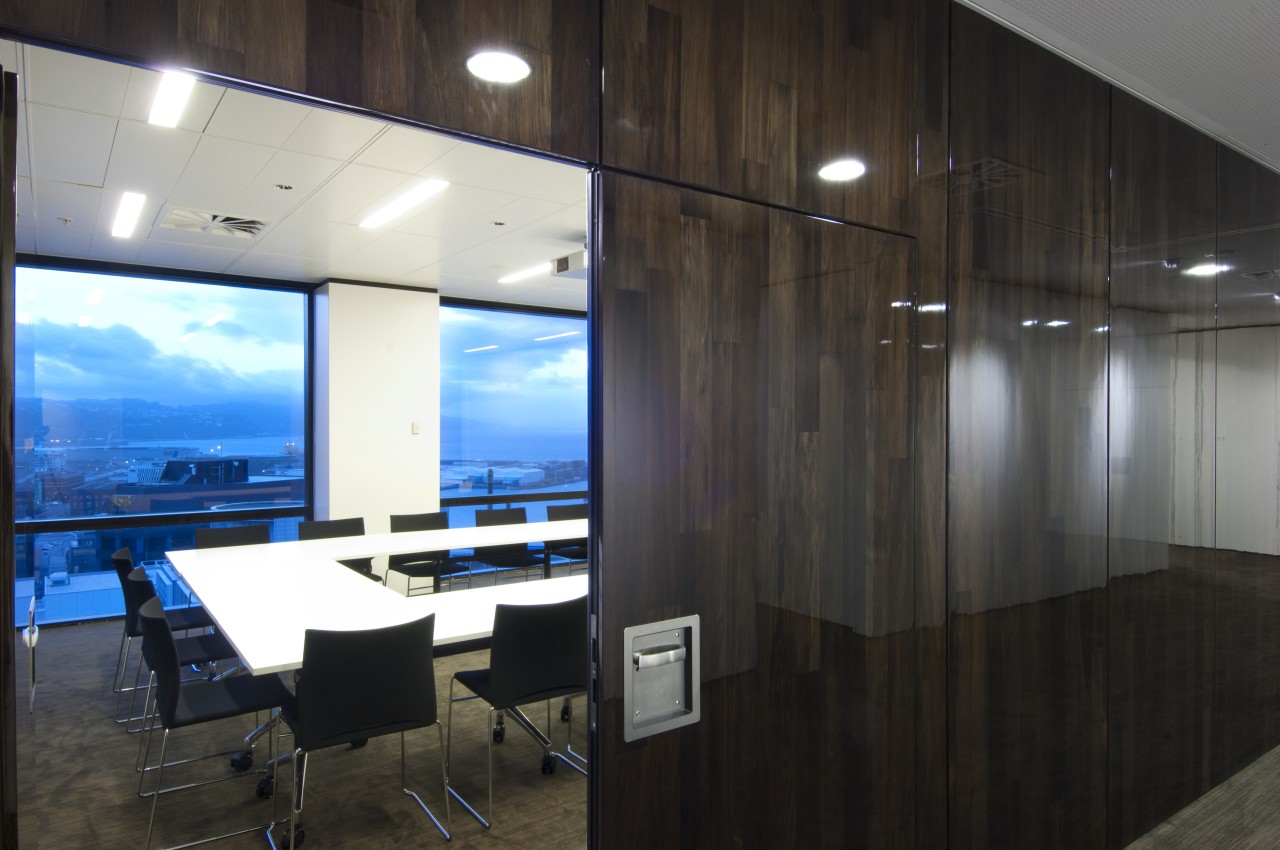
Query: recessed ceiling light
x,y
1030,323
933,308
400,205
213,320
843,169
1206,269
555,336
481,348
1058,323
171,98
127,214
525,274
496,67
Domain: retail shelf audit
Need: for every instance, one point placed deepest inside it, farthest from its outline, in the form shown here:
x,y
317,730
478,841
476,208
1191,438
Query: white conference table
x,y
264,597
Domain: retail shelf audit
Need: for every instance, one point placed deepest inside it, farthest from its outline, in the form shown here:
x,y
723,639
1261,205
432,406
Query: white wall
x,y
377,380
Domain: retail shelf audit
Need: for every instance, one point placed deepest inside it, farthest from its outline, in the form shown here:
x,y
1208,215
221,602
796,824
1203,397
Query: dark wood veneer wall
x,y
936,611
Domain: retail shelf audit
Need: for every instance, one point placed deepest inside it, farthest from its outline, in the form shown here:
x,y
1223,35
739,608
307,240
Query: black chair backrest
x,y
162,657
122,560
501,516
555,513
319,529
355,685
233,535
538,651
433,521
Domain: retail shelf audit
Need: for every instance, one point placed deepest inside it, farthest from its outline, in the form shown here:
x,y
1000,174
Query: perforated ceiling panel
x,y
1214,63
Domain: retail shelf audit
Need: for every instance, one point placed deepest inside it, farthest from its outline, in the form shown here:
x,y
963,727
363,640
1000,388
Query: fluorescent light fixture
x,y
187,337
481,348
843,169
1057,323
171,98
401,204
127,214
213,320
933,308
556,336
497,67
1206,270
886,341
1030,323
900,304
84,322
524,274
1102,329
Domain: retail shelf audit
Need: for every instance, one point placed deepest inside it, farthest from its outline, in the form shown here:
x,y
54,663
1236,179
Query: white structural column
x,y
377,402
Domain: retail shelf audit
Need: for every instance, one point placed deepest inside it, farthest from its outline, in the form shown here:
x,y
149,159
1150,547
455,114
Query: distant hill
x,y
130,419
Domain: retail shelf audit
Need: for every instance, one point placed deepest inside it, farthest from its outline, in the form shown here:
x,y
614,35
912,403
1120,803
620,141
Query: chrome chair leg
x,y
448,764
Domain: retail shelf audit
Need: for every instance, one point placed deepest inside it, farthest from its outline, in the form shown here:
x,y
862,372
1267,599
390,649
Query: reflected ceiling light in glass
x,y
171,98
187,337
1102,329
1057,323
843,169
933,308
481,348
497,67
1206,269
401,204
555,336
900,304
524,274
84,321
1030,323
213,320
24,318
127,214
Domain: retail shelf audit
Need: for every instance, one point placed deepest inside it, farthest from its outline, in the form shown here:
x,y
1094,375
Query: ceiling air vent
x,y
988,173
214,224
1270,274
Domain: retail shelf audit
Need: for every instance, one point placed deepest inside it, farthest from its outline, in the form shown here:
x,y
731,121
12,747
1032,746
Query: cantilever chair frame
x,y
438,563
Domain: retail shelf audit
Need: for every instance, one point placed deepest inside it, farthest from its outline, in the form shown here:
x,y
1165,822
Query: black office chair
x,y
356,685
179,705
233,535
573,551
420,565
507,557
192,651
538,652
320,529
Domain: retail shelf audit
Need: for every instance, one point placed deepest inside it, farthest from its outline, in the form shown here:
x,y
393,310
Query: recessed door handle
x,y
656,656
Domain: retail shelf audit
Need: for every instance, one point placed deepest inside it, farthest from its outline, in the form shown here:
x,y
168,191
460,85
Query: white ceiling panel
x,y
25,238
69,146
352,193
475,165
75,82
77,204
104,246
345,239
10,62
548,181
142,91
333,134
303,172
283,267
392,255
256,119
149,159
24,201
219,172
406,149
62,242
465,217
295,236
174,255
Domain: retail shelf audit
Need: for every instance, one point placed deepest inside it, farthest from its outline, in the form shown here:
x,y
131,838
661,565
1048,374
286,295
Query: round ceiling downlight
x,y
843,169
495,67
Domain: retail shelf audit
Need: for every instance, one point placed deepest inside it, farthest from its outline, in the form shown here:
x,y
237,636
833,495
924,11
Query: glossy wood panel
x,y
1247,519
1027,495
400,57
753,98
755,391
1161,438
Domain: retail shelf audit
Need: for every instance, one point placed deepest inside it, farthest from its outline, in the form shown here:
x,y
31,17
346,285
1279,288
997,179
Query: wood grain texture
x,y
756,383
1027,496
753,98
399,57
1160,600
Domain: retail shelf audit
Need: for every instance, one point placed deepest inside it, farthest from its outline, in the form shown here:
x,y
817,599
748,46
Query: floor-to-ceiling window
x,y
145,407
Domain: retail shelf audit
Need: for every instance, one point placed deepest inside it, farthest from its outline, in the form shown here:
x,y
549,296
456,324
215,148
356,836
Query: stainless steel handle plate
x,y
656,656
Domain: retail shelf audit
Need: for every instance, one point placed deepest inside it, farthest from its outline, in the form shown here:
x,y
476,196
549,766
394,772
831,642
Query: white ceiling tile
x,y
104,246
149,159
465,216
9,60
75,82
302,237
545,180
351,193
395,254
57,201
25,239
406,149
61,242
256,118
197,257
281,267
474,165
333,134
142,90
303,172
69,146
219,172
24,201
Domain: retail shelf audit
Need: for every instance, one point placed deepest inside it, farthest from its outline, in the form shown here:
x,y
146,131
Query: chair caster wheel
x,y
266,787
565,714
299,835
242,761
548,765
499,733
357,744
